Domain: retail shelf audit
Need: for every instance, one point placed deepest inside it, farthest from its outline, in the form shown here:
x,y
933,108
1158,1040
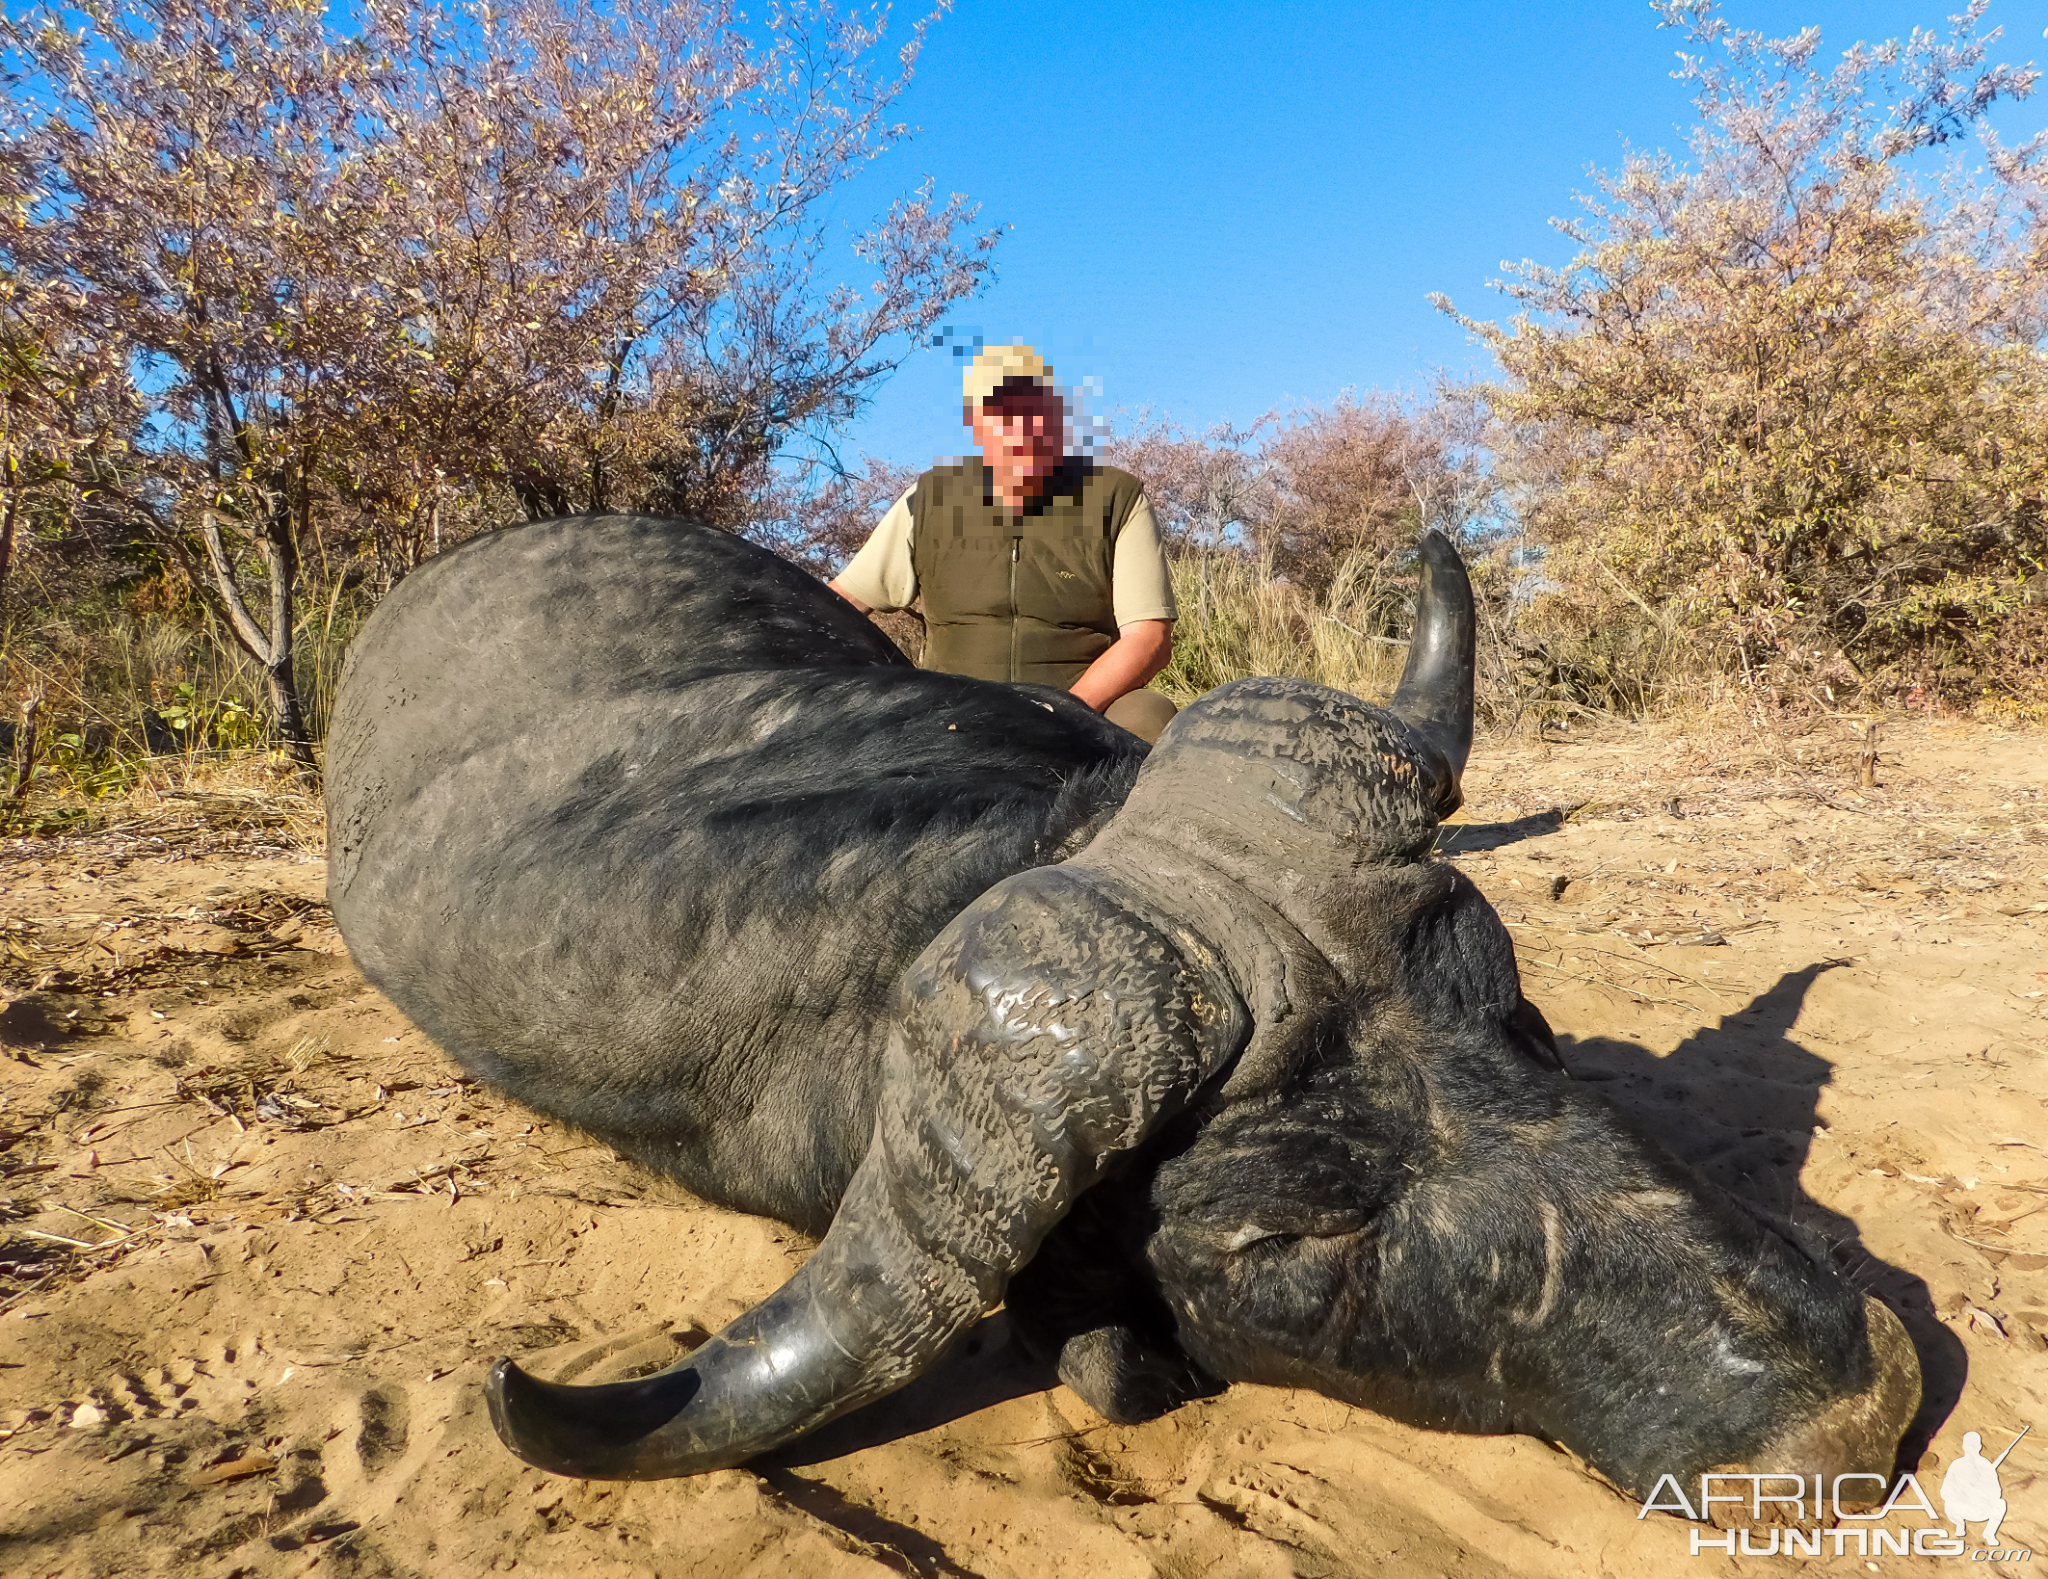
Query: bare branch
x,y
228,585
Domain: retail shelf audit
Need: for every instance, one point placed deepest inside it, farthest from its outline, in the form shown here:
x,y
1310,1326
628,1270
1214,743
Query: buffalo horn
x,y
866,1313
1005,1090
1434,698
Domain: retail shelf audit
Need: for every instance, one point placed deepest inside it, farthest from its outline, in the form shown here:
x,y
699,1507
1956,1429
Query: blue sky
x,y
1219,208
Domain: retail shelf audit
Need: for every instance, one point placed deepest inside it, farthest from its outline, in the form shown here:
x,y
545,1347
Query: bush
x,y
1786,400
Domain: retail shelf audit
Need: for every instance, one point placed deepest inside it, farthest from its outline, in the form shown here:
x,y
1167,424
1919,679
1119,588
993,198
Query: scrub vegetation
x,y
292,298
1773,437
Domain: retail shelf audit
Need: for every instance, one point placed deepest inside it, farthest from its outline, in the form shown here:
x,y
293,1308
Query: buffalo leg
x,y
1088,1304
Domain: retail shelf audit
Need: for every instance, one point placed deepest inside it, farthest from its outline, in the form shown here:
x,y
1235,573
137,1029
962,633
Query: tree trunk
x,y
26,744
287,713
273,650
11,516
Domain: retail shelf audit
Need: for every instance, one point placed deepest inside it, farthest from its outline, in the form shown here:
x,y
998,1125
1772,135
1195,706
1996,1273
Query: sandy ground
x,y
259,1241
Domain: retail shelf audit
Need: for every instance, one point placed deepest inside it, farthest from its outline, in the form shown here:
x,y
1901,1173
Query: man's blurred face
x,y
1021,432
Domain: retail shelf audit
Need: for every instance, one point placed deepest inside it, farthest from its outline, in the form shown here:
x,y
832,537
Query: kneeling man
x,y
1034,565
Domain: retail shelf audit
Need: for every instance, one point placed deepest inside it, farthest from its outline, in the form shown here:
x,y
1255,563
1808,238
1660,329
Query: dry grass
x,y
1237,620
1792,727
213,800
120,687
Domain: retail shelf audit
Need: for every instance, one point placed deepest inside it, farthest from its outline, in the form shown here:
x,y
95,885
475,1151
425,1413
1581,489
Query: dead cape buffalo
x,y
1199,1058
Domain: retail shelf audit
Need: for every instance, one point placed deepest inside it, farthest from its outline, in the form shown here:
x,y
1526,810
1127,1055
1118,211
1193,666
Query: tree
x,y
351,263
1318,490
1356,480
820,514
1209,490
66,418
1788,390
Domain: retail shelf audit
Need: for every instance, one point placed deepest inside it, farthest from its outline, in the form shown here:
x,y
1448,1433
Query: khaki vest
x,y
1018,597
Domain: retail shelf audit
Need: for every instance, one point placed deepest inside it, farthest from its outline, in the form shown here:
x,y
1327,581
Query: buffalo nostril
x,y
1857,1434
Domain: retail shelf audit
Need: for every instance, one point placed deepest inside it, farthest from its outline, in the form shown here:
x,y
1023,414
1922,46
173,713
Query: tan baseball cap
x,y
995,363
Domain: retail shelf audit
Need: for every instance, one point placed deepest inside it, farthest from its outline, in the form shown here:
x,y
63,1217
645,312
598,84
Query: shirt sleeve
x,y
881,575
1141,581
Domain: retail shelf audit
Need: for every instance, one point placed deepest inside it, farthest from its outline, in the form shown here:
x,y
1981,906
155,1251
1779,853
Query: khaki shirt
x,y
1141,585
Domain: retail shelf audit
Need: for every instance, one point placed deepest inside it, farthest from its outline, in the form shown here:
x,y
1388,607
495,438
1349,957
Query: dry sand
x,y
261,1240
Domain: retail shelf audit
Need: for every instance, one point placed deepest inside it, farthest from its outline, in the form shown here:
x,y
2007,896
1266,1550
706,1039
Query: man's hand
x,y
1141,651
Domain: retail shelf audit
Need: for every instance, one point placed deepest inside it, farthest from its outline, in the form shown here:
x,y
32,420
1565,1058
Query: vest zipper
x,y
1016,548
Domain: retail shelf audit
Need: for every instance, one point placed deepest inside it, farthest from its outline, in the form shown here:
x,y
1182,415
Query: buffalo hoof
x,y
1123,1378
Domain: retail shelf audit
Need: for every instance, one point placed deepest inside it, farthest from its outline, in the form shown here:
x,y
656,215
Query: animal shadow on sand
x,y
1738,1103
1469,838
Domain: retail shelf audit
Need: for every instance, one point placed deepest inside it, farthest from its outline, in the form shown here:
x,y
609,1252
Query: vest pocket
x,y
1064,581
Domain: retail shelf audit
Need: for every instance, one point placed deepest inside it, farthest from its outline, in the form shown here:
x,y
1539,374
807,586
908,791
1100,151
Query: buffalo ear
x,y
1533,1038
1089,1305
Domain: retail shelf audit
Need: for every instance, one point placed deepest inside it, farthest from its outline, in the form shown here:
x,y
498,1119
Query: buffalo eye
x,y
1255,1233
1275,1236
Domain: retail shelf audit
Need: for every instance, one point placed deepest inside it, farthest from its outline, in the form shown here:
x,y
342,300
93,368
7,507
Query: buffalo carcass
x,y
1199,1058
